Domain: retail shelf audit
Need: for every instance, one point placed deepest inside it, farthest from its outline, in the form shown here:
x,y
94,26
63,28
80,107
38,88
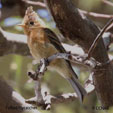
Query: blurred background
x,y
14,68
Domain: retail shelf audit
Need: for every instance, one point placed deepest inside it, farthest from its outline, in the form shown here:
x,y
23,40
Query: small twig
x,y
95,42
109,27
96,15
0,13
34,3
108,2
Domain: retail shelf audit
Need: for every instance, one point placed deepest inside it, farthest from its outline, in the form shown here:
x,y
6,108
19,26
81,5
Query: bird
x,y
43,43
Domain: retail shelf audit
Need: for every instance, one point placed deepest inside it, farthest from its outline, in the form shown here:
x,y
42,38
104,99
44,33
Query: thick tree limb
x,y
83,32
12,102
13,44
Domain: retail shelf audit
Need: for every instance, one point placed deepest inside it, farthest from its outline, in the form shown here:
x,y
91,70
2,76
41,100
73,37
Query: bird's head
x,y
31,20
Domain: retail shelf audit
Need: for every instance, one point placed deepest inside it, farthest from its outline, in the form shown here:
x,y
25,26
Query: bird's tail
x,y
81,92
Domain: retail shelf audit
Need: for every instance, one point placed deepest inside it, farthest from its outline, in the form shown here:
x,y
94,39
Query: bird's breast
x,y
41,50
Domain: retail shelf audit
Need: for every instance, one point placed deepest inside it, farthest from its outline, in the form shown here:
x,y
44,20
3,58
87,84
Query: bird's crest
x,y
32,16
29,10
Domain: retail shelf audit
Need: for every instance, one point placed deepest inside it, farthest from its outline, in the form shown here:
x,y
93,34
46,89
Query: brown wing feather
x,y
55,41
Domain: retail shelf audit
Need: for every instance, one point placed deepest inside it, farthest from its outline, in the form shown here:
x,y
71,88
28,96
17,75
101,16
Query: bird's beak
x,y
21,25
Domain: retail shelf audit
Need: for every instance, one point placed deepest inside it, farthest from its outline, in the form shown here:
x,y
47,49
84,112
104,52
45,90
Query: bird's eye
x,y
31,23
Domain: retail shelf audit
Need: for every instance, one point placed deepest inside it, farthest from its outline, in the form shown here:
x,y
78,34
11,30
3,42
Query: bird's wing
x,y
55,41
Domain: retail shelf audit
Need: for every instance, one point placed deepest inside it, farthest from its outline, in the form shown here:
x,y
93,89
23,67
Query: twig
x,y
50,100
89,63
95,42
97,15
0,13
34,3
109,27
79,59
108,2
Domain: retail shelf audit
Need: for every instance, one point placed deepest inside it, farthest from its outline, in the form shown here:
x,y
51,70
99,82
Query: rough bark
x,y
11,101
75,26
11,43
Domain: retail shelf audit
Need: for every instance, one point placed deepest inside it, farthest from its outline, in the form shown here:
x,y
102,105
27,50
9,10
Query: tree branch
x,y
96,15
83,31
11,43
12,102
108,2
95,42
34,3
90,63
49,100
